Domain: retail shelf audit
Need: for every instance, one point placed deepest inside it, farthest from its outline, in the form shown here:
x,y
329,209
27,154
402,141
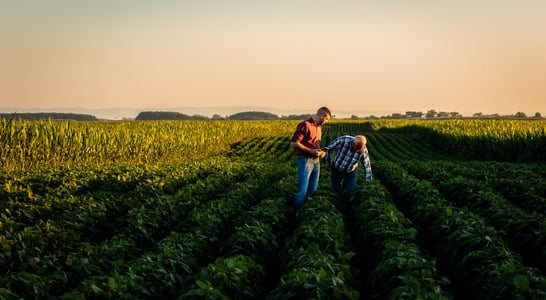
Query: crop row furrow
x,y
390,257
477,260
524,232
521,186
315,260
416,147
95,217
381,148
172,267
401,153
247,263
146,224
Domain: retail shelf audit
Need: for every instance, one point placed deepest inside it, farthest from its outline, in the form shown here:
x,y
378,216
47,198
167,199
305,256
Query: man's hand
x,y
316,153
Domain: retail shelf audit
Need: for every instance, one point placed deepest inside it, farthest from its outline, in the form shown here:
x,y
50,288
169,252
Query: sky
x,y
392,55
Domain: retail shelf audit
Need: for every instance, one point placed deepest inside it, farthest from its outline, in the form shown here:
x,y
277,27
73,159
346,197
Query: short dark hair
x,y
324,110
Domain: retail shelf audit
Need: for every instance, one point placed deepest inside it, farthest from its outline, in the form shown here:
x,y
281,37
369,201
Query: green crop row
x,y
85,213
500,140
524,232
475,257
315,260
57,256
389,249
521,184
247,262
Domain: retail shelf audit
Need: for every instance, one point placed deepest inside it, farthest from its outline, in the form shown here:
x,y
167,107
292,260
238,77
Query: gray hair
x,y
361,138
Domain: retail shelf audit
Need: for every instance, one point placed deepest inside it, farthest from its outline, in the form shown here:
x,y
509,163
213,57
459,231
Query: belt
x,y
307,156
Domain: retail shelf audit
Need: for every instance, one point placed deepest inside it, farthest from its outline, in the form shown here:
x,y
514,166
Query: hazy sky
x,y
466,56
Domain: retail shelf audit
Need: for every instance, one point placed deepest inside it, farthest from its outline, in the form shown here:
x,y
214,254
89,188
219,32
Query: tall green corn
x,y
47,144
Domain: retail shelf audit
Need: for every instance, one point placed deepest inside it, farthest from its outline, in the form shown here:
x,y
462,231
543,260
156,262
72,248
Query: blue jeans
x,y
308,176
343,182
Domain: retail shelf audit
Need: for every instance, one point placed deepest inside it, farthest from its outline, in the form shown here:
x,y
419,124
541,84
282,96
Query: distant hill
x,y
253,115
166,115
48,116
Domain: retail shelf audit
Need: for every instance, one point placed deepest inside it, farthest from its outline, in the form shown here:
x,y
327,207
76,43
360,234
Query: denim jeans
x,y
308,176
343,182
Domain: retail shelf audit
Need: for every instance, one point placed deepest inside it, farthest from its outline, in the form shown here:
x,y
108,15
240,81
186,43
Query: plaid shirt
x,y
346,158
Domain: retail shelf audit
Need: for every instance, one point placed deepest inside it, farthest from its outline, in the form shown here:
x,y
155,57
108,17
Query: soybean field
x,y
203,210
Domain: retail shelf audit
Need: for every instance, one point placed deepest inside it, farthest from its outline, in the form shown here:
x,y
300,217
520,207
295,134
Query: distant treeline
x,y
48,116
249,115
258,115
433,114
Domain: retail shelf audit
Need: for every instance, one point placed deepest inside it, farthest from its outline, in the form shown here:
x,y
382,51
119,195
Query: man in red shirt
x,y
306,144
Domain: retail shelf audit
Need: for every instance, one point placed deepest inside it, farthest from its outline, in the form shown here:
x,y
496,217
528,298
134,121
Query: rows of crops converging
x,y
203,210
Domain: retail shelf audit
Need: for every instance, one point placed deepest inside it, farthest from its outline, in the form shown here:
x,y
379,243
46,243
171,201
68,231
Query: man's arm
x,y
365,159
333,144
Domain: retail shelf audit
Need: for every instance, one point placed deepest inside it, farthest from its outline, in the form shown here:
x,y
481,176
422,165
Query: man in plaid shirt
x,y
348,151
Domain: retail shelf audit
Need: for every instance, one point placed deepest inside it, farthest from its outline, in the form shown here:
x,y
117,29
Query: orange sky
x,y
469,56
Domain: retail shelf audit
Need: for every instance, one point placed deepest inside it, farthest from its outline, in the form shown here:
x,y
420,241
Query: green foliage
x,y
193,209
237,277
26,145
477,259
253,115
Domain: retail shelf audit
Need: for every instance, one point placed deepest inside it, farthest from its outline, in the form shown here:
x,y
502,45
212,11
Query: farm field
x,y
202,210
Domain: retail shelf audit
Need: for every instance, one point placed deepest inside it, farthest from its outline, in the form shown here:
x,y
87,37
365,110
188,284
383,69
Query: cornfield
x,y
45,144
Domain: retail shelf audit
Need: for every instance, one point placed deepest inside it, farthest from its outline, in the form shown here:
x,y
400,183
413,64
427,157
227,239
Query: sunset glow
x,y
467,56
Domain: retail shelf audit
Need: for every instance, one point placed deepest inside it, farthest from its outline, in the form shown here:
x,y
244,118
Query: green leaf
x,y
521,282
308,286
96,289
201,284
112,283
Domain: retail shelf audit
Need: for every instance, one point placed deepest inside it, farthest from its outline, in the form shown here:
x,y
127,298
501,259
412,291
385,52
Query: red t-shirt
x,y
308,133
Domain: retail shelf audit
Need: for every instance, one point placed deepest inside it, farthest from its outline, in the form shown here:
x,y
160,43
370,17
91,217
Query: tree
x,y
454,114
414,114
519,114
253,115
397,116
443,114
161,115
431,114
538,115
477,115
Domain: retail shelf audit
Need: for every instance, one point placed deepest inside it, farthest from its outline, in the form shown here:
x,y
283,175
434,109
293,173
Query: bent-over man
x,y
348,151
